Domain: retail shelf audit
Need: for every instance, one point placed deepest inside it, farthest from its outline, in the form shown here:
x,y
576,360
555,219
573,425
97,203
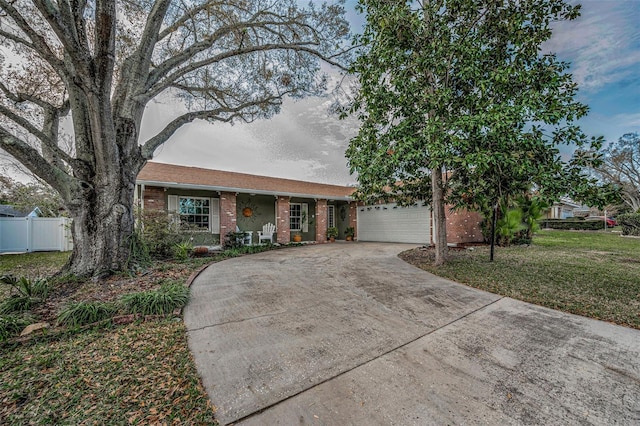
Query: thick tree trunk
x,y
102,226
439,216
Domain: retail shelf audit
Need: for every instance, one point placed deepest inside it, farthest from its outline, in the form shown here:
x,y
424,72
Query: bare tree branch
x,y
39,44
223,114
33,161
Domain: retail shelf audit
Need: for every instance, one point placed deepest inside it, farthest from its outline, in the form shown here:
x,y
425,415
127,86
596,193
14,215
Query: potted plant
x,y
297,237
332,233
349,233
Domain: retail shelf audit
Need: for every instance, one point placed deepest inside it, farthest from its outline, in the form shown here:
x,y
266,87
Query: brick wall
x,y
353,217
282,219
463,226
321,221
227,213
154,198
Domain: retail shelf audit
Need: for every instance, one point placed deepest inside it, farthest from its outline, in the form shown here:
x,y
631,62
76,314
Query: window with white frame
x,y
195,212
331,216
298,217
198,213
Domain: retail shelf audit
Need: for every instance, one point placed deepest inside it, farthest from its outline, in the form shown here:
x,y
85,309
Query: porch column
x,y
227,213
353,218
282,219
321,221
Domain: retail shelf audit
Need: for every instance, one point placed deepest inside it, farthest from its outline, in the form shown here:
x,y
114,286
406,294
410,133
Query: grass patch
x,y
156,302
75,314
594,274
138,374
33,265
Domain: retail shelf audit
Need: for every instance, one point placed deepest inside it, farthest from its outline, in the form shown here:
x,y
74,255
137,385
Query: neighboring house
x,y
216,202
7,210
566,208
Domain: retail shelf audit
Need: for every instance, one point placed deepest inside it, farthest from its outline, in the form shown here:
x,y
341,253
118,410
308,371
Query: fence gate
x,y
22,234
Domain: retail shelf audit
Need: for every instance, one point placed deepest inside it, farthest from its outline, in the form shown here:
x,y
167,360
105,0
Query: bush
x,y
630,223
233,240
156,302
11,325
82,313
181,251
159,233
568,224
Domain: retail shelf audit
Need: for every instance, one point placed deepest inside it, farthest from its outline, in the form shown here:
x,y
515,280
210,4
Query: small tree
x,y
448,94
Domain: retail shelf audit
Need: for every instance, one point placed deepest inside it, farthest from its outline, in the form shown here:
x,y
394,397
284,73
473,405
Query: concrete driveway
x,y
348,333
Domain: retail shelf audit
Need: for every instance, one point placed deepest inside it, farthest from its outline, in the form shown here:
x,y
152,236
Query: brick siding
x,y
321,221
227,213
282,220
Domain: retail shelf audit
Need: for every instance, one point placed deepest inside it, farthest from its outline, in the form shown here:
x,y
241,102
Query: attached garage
x,y
393,223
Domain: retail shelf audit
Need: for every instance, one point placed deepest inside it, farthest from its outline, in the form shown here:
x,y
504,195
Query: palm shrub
x,y
509,225
156,302
532,211
24,293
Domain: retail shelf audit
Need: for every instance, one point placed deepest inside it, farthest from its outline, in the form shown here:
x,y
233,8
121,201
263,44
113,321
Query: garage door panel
x,y
392,223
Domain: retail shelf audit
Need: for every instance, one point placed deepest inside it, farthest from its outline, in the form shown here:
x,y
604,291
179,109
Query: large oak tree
x,y
102,61
460,105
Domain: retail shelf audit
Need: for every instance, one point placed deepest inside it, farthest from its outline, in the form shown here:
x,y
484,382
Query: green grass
x,y
138,374
594,274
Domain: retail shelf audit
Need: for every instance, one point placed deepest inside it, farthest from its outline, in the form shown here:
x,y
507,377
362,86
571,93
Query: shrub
x,y
181,251
156,302
159,233
569,224
11,325
630,223
332,232
233,240
139,256
87,312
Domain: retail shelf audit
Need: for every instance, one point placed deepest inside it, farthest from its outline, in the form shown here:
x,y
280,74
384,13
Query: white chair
x,y
248,236
266,233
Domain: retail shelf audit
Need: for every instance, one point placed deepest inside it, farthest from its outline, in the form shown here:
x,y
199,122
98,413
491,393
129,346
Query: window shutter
x,y
172,206
215,215
305,215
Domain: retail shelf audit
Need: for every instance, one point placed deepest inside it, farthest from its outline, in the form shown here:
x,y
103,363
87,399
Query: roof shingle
x,y
184,176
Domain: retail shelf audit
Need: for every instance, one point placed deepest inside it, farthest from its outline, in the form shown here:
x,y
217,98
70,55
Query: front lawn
x,y
136,374
594,274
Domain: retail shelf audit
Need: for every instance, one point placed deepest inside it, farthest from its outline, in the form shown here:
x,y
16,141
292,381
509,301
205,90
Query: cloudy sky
x,y
305,142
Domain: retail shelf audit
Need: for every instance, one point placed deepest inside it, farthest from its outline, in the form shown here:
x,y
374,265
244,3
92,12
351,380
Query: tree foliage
x,y
98,63
460,87
620,167
27,196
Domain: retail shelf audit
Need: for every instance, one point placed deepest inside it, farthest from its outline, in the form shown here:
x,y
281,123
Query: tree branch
x,y
297,47
32,160
38,43
223,113
45,139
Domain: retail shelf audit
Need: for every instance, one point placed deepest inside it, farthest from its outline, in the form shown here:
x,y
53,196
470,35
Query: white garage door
x,y
392,223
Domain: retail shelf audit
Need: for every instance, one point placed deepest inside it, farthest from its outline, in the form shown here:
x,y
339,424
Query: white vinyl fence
x,y
20,234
